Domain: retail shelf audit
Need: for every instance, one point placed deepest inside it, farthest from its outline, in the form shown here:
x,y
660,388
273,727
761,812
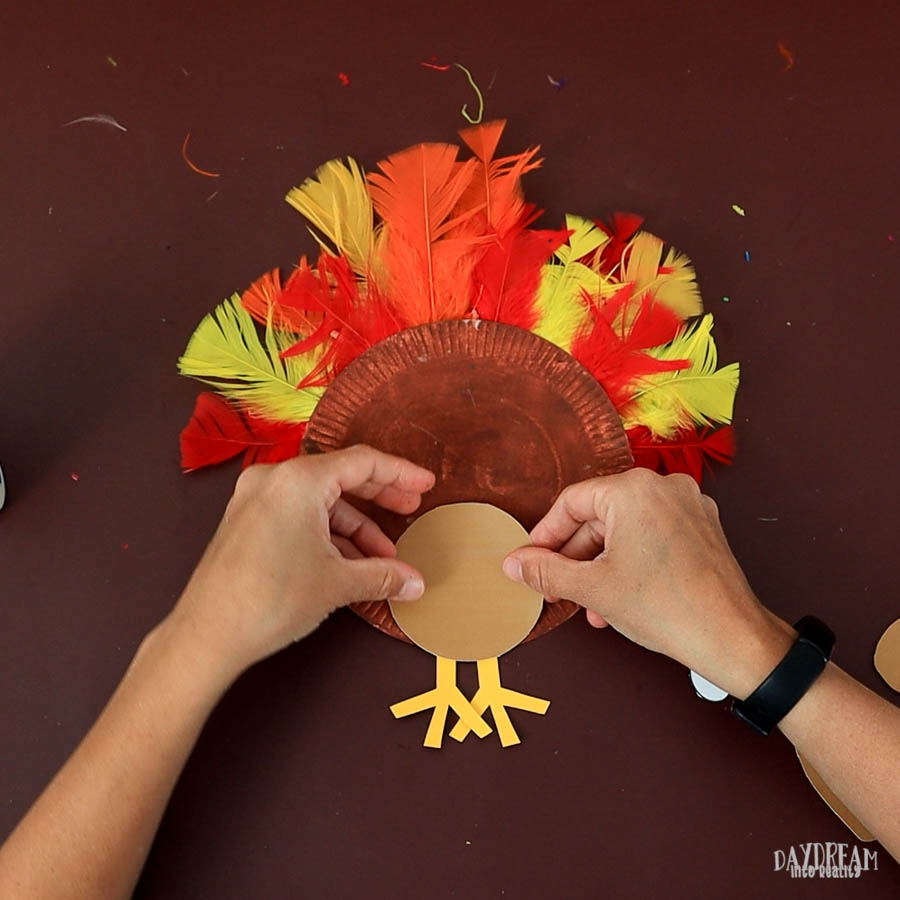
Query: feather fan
x,y
426,238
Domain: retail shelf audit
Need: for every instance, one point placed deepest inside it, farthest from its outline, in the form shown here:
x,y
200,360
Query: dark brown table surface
x,y
112,250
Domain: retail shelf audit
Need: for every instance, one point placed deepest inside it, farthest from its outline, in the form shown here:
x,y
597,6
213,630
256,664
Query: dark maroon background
x,y
112,250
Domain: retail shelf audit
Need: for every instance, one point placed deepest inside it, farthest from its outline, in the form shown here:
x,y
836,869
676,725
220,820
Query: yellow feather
x,y
337,202
699,394
640,260
225,351
559,296
677,289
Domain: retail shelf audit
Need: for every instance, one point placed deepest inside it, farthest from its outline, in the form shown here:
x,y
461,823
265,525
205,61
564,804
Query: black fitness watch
x,y
790,679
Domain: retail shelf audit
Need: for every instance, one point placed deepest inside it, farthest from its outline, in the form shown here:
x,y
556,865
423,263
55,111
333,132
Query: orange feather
x,y
427,251
266,295
496,187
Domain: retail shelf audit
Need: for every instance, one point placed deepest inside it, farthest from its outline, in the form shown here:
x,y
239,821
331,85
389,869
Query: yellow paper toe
x,y
444,697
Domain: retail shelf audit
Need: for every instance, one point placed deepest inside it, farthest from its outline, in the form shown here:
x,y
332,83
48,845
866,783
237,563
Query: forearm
x,y
851,736
90,831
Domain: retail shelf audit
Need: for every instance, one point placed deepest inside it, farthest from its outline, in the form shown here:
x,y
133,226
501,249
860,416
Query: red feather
x,y
688,452
621,230
273,441
495,189
615,359
506,278
640,322
217,431
351,323
266,293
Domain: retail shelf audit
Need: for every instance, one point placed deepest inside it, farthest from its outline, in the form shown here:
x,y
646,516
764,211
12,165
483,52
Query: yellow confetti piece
x,y
738,209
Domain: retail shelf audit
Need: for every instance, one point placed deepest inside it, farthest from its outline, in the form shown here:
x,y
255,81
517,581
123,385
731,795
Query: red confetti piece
x,y
343,78
786,55
74,476
194,168
435,66
124,546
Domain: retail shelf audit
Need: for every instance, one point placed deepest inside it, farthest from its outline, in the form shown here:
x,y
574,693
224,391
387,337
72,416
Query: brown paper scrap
x,y
838,807
887,655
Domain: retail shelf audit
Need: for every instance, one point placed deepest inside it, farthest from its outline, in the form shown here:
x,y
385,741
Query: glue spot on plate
x,y
706,689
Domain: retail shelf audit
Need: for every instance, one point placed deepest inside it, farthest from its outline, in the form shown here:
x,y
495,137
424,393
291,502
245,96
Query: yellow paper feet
x,y
446,695
492,695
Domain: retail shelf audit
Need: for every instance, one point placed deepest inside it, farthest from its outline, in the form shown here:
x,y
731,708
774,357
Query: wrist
x,y
193,653
753,652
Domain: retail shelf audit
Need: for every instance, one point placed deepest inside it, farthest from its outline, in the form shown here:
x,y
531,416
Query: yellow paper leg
x,y
492,695
445,696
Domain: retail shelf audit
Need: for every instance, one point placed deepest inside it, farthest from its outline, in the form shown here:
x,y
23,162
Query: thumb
x,y
379,578
550,573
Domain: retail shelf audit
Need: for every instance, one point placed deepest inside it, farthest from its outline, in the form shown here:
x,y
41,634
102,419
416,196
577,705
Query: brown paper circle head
x,y
500,416
887,655
469,610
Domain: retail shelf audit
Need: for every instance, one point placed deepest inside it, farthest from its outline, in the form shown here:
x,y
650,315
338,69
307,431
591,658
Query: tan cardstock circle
x,y
887,655
470,610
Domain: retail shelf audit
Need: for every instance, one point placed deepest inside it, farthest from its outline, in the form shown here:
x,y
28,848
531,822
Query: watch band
x,y
790,679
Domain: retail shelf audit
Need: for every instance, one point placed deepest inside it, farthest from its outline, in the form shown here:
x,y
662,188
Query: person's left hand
x,y
290,550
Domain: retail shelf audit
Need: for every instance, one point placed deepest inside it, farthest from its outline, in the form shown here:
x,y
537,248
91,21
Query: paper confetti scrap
x,y
746,256
343,78
96,119
726,299
74,476
786,55
194,168
739,209
557,83
112,62
464,111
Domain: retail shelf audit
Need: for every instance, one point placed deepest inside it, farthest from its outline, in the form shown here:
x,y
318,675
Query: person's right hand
x,y
647,555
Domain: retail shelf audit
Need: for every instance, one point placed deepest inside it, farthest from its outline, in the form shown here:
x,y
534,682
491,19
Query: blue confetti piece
x,y
746,256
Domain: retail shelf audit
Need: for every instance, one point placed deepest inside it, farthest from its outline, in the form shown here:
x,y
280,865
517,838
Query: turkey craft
x,y
439,325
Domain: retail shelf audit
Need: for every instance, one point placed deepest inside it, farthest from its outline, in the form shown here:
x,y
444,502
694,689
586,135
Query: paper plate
x,y
500,416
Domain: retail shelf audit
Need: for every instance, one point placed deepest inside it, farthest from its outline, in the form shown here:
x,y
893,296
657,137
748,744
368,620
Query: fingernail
x,y
412,589
512,569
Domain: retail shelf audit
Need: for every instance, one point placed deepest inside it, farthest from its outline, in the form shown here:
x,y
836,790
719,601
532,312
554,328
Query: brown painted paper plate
x,y
500,415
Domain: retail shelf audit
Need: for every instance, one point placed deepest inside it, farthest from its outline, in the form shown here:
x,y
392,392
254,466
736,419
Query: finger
x,y
365,472
380,579
347,521
586,543
346,548
576,505
549,573
398,501
595,619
